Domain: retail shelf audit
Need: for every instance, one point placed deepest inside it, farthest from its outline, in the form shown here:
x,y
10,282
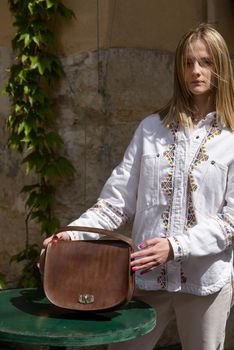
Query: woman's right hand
x,y
63,236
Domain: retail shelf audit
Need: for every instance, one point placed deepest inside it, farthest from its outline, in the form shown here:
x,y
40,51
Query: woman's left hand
x,y
153,253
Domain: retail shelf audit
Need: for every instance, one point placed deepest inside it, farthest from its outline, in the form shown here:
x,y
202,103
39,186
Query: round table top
x,y
26,316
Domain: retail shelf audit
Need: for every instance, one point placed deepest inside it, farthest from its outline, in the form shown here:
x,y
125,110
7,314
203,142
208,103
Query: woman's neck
x,y
201,106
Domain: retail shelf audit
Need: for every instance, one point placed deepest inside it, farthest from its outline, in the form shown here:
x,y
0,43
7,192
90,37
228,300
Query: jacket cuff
x,y
180,246
74,235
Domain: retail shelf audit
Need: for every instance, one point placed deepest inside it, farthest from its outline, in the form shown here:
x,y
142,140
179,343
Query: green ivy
x,y
35,69
2,281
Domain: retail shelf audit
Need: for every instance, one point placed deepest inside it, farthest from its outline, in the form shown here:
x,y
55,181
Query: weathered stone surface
x,y
98,126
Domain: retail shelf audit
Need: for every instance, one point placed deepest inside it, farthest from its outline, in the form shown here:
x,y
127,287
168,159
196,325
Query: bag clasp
x,y
86,299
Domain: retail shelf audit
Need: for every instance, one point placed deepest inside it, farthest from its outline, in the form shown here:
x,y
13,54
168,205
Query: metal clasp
x,y
86,299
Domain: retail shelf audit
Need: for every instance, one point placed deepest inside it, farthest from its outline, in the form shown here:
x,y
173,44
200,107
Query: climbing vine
x,y
31,121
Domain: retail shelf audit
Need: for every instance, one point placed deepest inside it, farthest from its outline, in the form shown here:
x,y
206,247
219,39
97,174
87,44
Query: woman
x,y
176,181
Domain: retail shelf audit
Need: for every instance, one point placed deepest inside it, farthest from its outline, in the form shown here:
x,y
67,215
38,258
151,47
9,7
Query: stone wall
x,y
99,110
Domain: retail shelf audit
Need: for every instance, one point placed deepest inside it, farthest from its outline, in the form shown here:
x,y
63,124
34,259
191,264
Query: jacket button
x,y
197,137
158,155
212,162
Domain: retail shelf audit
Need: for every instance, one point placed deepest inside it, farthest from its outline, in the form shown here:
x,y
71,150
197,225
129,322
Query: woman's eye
x,y
206,62
188,63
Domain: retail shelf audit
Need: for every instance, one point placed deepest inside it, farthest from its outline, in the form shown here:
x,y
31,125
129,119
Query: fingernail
x,y
141,246
54,239
134,268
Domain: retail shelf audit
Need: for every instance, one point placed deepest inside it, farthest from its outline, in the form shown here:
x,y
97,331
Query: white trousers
x,y
201,320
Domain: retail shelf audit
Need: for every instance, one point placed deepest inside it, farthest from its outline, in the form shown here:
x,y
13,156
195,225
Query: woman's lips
x,y
196,82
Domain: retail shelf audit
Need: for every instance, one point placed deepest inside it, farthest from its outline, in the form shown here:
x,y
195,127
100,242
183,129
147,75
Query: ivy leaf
x,y
21,127
65,12
50,226
41,67
22,76
25,128
30,252
37,40
18,108
26,38
39,215
50,171
24,58
27,89
31,100
41,63
50,3
2,281
38,199
34,160
29,188
43,200
31,8
65,167
53,139
15,141
34,62
4,90
47,37
32,200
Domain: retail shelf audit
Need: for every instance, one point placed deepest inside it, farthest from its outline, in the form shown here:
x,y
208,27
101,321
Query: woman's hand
x,y
63,236
153,253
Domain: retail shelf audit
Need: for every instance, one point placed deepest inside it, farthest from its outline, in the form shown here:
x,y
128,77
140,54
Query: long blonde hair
x,y
180,104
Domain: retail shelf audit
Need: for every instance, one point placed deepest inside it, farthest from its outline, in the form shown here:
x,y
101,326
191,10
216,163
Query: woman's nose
x,y
196,68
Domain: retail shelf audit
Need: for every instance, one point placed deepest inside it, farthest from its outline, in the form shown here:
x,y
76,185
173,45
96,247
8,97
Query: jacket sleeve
x,y
211,236
117,201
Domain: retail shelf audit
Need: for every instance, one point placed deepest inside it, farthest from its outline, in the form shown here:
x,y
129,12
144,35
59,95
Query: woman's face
x,y
198,76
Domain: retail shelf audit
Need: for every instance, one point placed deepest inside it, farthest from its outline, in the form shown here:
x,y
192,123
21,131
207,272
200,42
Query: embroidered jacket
x,y
176,183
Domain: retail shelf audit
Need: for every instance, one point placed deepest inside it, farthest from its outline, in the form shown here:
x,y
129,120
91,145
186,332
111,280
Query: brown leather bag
x,y
89,275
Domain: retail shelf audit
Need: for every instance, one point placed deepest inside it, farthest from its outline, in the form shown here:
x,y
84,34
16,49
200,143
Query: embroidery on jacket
x,y
182,276
214,130
114,216
200,156
165,217
170,154
162,277
190,216
167,187
167,182
179,252
227,225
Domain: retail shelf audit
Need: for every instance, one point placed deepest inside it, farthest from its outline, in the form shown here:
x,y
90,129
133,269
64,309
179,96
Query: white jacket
x,y
179,184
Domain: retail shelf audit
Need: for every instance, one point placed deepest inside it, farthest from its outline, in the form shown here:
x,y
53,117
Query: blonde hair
x,y
180,104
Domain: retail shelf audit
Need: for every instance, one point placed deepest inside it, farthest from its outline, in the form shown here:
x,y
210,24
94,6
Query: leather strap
x,y
101,231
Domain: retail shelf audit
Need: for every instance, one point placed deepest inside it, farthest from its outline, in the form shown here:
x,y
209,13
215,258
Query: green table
x,y
26,316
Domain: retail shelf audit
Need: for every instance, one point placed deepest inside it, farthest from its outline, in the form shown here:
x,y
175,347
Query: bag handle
x,y
108,233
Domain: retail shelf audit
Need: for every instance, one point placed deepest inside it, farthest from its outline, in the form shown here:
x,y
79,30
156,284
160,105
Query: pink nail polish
x,y
55,239
141,246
